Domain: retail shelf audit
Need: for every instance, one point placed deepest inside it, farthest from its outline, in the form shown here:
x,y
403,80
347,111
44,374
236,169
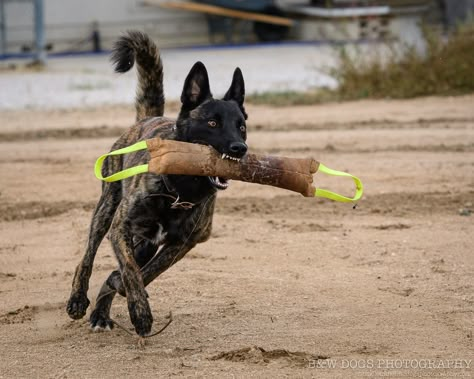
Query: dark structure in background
x,y
450,12
95,36
29,28
264,31
455,12
39,44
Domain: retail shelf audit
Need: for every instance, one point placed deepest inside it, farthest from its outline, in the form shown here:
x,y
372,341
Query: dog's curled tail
x,y
137,46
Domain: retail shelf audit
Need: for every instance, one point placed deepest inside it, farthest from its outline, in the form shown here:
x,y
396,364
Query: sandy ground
x,y
287,286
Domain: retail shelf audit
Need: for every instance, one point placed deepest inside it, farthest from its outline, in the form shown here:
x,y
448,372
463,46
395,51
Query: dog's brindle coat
x,y
149,230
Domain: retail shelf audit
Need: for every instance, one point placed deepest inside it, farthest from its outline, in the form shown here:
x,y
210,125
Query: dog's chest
x,y
160,235
154,219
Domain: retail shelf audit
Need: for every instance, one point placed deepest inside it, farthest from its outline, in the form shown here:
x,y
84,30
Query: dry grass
x,y
289,98
445,68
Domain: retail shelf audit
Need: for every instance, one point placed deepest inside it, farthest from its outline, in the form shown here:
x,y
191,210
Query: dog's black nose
x,y
238,149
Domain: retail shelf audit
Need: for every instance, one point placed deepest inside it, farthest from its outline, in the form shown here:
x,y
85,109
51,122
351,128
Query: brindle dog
x,y
154,220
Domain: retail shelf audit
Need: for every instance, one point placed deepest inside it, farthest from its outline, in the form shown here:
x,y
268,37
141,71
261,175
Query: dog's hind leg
x,y
169,255
100,224
100,316
198,230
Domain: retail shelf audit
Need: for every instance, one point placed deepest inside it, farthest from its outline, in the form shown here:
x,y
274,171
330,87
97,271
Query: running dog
x,y
154,220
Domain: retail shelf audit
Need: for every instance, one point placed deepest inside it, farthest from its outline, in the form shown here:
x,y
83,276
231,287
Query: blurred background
x,y
311,45
87,26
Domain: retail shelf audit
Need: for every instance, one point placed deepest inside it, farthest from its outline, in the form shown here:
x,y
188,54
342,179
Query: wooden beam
x,y
221,11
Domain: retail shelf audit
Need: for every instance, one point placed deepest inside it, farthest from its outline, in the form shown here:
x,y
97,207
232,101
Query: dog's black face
x,y
216,123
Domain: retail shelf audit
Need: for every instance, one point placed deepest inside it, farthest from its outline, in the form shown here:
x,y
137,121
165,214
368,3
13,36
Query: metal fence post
x,y
3,29
39,32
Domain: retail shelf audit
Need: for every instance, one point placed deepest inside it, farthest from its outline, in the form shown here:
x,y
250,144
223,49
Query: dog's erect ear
x,y
236,91
196,87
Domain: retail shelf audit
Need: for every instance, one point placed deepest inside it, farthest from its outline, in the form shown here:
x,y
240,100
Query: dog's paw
x,y
100,322
77,305
140,315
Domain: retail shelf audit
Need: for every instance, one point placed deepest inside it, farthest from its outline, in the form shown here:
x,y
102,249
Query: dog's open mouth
x,y
217,181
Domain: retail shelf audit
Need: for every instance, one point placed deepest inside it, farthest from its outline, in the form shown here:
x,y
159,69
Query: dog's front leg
x,y
122,243
101,220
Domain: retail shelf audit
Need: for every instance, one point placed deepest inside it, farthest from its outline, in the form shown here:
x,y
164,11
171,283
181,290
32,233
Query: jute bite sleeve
x,y
181,158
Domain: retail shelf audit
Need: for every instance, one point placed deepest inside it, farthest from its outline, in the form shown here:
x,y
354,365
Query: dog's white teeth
x,y
225,156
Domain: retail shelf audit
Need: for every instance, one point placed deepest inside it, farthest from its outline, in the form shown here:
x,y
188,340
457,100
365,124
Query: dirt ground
x,y
287,286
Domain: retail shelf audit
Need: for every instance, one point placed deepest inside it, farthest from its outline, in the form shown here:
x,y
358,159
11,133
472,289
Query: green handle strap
x,y
125,173
334,196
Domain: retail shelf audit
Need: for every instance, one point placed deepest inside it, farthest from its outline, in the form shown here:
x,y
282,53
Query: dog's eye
x,y
243,128
212,123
